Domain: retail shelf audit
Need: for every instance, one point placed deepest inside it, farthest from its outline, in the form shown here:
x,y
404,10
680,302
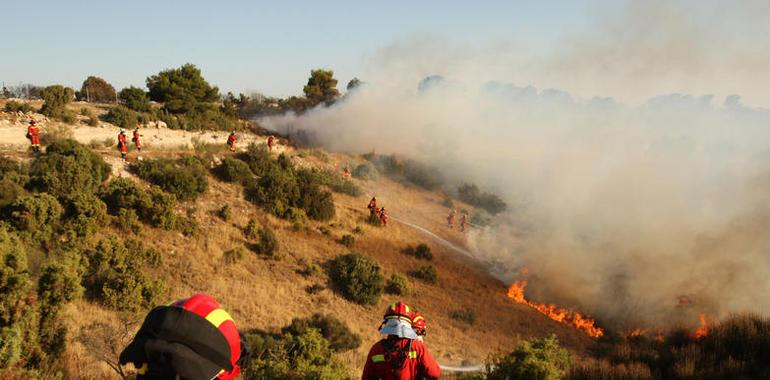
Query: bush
x,y
9,192
154,206
398,284
182,90
365,171
426,273
251,231
225,213
56,98
605,370
57,285
470,193
421,251
122,117
304,356
268,243
233,170
310,270
464,315
257,158
347,240
14,106
128,221
185,178
332,329
96,89
424,176
13,171
336,182
67,166
539,359
85,214
134,99
14,278
234,255
358,278
37,214
116,276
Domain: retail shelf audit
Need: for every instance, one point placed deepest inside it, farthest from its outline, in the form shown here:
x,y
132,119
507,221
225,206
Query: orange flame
x,y
703,330
637,332
572,318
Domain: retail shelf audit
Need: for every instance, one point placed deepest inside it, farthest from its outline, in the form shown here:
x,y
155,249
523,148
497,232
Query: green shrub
x,y
128,221
9,192
398,284
67,166
251,230
56,98
233,170
55,133
365,171
421,251
85,214
358,278
14,278
427,177
318,204
309,270
57,285
233,256
188,226
347,240
116,277
36,214
448,203
122,193
95,89
336,182
14,106
464,315
13,171
539,359
154,206
134,99
426,273
332,329
185,178
470,193
225,213
122,117
258,158
305,356
268,243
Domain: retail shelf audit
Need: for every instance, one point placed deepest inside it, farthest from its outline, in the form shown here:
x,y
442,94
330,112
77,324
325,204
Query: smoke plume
x,y
642,213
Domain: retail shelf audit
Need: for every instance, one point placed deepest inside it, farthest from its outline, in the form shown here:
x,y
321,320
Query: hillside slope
x,y
266,294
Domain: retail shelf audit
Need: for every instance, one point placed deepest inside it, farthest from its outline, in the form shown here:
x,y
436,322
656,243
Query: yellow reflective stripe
x,y
218,316
412,354
142,370
378,358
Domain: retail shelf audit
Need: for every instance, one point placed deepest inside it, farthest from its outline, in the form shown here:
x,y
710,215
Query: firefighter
x,y
372,206
400,355
383,217
33,134
231,141
122,145
419,326
135,139
463,222
450,219
193,338
270,140
346,173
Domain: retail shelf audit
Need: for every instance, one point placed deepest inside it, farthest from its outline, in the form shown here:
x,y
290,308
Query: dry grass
x,y
267,294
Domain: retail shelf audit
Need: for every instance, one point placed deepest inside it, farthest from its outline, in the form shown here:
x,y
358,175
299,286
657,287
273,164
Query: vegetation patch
x,y
185,177
358,278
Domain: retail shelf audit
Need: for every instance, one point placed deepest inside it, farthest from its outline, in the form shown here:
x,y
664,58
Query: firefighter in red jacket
x,y
463,222
372,206
400,355
136,139
270,140
122,145
383,217
450,219
193,338
33,134
231,141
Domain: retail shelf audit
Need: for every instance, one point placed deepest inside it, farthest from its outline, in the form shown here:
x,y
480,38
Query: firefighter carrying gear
x,y
463,222
190,339
270,140
383,217
136,141
231,141
33,134
122,145
450,219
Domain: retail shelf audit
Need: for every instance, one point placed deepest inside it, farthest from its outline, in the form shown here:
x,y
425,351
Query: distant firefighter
x,y
231,141
270,141
372,206
33,134
346,173
450,219
122,145
135,139
383,217
463,222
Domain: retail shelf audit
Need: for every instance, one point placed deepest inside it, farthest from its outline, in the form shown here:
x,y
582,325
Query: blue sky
x,y
248,45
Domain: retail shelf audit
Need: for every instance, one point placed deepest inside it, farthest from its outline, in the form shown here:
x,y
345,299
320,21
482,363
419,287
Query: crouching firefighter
x,y
400,355
190,339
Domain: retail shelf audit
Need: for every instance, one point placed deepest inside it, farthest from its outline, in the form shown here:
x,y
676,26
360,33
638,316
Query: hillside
x,y
266,294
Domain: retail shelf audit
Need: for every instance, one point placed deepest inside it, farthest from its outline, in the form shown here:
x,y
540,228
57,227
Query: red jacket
x,y
231,139
122,142
34,134
417,362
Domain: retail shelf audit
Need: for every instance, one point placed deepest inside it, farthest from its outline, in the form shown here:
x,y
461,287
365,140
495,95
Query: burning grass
x,y
558,314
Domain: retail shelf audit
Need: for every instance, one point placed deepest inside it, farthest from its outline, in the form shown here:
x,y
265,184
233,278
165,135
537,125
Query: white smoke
x,y
641,214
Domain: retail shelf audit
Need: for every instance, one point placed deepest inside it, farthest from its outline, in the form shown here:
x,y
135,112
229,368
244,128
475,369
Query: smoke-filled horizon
x,y
642,215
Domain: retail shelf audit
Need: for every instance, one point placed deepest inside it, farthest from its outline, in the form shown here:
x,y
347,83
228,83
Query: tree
x,y
134,98
96,89
321,87
355,82
182,90
56,98
538,359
